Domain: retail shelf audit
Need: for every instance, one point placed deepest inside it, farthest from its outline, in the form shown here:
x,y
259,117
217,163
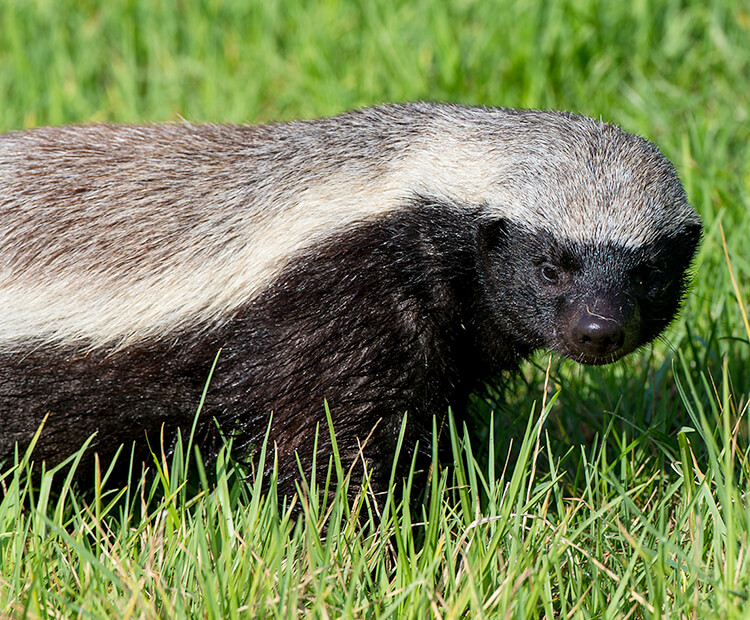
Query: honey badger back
x,y
386,260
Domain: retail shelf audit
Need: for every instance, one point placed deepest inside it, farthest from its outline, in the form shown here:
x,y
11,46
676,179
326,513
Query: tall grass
x,y
610,538
576,492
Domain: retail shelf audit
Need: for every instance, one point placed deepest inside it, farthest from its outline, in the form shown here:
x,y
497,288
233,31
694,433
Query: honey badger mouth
x,y
600,331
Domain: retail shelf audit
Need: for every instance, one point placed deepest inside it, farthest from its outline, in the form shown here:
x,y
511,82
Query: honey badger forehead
x,y
115,234
580,179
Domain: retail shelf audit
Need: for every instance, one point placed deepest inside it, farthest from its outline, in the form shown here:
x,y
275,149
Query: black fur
x,y
406,314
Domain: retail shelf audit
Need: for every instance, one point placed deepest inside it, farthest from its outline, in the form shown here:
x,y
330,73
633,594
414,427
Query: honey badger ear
x,y
492,234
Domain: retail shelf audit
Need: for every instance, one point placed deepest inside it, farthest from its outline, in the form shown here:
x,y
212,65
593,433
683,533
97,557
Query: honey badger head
x,y
584,236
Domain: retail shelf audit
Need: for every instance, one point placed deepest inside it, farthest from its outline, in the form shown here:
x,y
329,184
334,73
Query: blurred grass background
x,y
674,71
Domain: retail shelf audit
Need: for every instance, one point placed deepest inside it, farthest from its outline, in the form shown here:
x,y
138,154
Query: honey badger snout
x,y
600,329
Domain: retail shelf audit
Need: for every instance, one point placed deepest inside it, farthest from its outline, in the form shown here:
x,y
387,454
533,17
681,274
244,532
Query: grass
x,y
592,492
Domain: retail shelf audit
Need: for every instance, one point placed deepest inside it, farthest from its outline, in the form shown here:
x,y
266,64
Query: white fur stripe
x,y
114,234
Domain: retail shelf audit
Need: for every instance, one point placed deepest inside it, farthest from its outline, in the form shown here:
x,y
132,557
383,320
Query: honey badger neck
x,y
384,319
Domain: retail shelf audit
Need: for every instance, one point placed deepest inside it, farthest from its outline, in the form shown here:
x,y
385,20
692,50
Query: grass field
x,y
625,494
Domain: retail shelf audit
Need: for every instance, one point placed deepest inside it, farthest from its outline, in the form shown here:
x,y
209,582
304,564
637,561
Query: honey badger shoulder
x,y
385,260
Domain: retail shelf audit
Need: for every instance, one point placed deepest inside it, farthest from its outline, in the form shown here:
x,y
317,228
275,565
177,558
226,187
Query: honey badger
x,y
386,260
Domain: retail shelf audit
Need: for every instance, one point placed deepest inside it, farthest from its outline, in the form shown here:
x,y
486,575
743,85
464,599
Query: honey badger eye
x,y
549,274
646,276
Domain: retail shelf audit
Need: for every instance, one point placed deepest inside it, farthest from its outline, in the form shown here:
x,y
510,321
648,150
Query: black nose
x,y
598,336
